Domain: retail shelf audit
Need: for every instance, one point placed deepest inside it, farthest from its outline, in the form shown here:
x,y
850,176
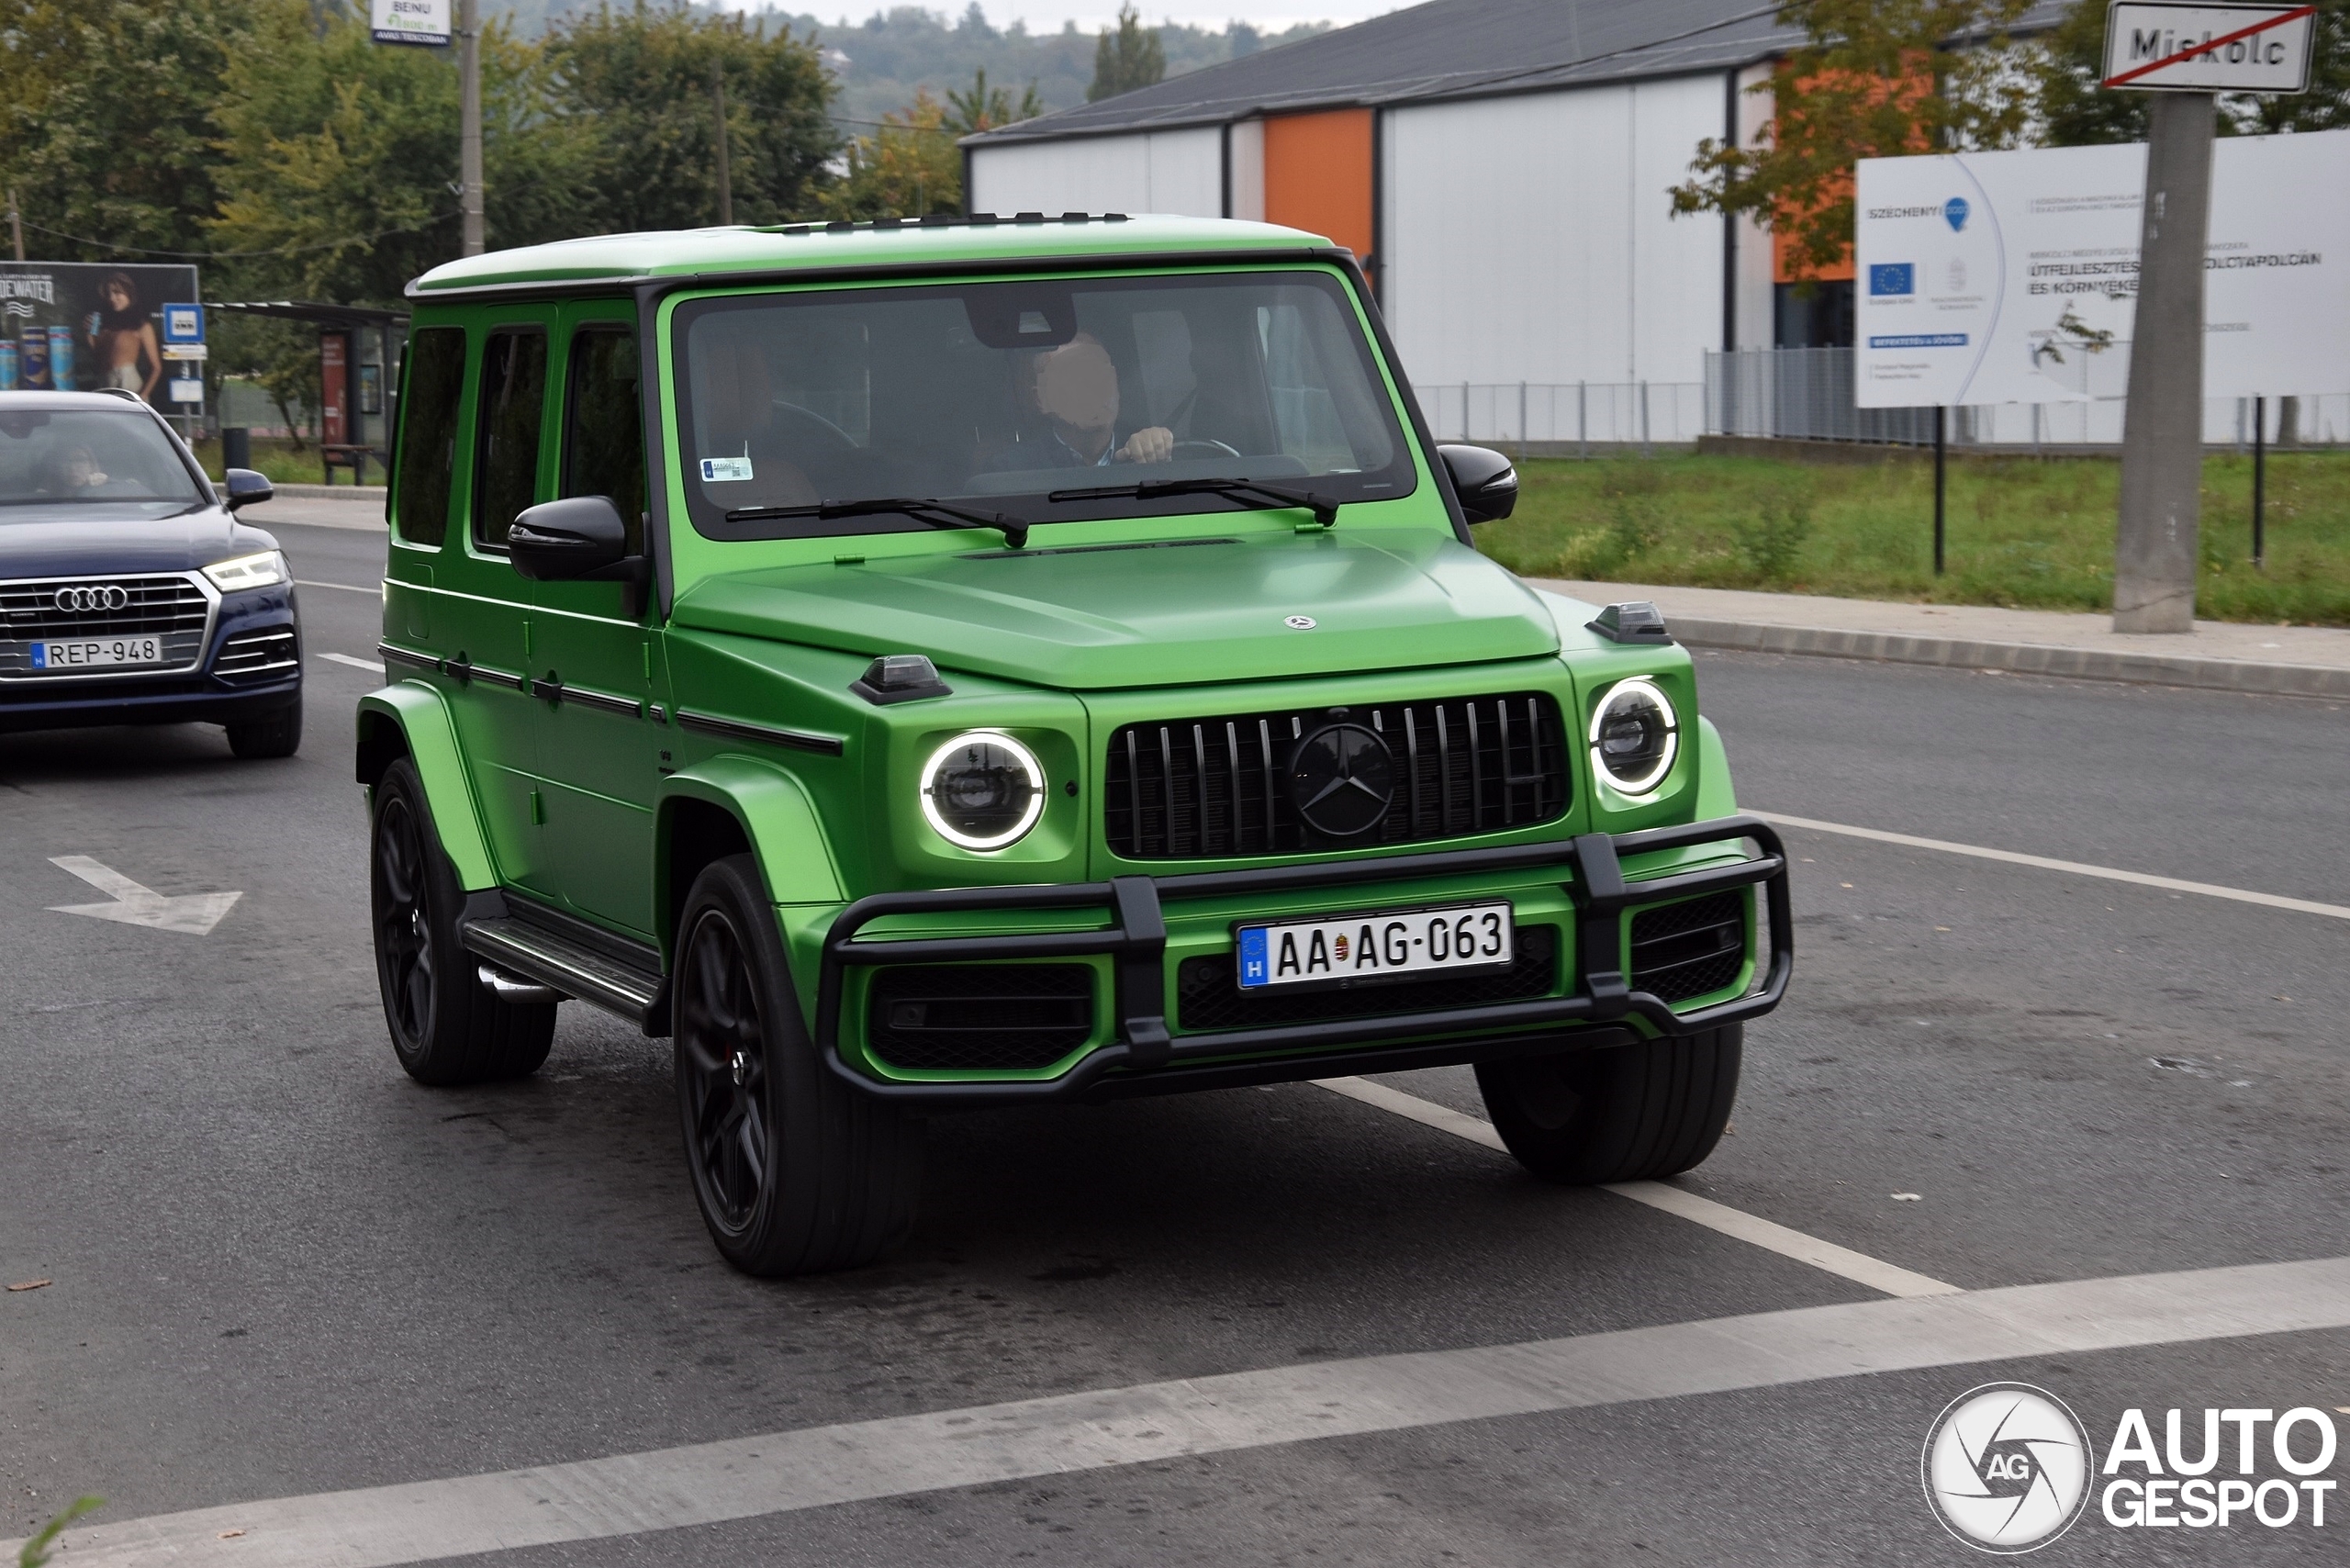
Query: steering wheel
x,y
1203,449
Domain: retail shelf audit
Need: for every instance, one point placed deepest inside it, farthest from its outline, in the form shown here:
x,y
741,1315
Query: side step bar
x,y
534,952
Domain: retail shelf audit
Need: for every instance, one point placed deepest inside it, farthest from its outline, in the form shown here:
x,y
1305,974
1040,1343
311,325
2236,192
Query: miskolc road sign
x,y
2155,44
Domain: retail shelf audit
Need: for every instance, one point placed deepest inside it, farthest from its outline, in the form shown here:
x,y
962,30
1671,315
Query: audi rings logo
x,y
91,598
2007,1467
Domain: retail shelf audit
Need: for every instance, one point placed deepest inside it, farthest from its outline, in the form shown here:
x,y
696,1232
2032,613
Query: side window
x,y
603,425
427,411
513,396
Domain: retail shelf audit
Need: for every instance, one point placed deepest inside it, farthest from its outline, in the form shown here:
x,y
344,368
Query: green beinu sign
x,y
916,666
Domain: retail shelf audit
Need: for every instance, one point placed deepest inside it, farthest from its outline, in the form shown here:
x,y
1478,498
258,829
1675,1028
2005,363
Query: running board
x,y
534,952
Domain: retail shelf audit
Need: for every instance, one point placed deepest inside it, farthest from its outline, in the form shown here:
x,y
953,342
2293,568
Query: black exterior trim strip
x,y
736,729
399,655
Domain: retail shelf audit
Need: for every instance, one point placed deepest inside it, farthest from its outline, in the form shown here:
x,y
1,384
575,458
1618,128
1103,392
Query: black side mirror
x,y
579,536
244,487
1483,479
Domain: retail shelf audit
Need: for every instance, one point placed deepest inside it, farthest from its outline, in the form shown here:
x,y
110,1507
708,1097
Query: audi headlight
x,y
248,571
983,790
1634,736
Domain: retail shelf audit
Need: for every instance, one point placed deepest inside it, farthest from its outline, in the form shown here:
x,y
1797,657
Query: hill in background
x,y
881,61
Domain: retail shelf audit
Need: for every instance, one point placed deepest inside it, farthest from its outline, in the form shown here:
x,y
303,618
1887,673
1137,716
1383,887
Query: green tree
x,y
909,168
634,84
983,107
2074,111
338,154
1871,79
1129,57
105,119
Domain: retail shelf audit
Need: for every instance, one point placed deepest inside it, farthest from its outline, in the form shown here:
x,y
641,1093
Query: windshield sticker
x,y
724,470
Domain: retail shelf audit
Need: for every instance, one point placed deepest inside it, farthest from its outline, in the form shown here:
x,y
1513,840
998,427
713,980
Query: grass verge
x,y
2022,532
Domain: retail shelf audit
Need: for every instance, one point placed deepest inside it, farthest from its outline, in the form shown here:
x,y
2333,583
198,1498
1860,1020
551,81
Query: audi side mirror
x,y
243,488
1483,479
579,536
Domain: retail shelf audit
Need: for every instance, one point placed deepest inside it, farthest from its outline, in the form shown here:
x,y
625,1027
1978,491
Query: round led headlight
x,y
1634,736
983,790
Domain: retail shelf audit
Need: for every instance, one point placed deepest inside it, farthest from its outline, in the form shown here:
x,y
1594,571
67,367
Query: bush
x,y
1771,542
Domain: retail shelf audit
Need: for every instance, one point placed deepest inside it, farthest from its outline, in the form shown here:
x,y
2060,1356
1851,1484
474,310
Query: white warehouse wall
x,y
1179,171
1530,238
1757,299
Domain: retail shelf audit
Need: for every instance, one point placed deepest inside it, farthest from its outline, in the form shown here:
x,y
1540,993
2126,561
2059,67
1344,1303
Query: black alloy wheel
x,y
447,1026
723,1073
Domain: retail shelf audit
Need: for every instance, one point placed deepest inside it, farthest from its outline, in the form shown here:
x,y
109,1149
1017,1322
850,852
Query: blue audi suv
x,y
130,593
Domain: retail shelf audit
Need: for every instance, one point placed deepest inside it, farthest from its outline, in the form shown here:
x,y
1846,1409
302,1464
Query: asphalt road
x,y
280,1268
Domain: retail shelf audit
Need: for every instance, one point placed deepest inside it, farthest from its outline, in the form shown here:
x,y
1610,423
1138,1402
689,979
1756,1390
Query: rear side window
x,y
513,394
603,438
428,408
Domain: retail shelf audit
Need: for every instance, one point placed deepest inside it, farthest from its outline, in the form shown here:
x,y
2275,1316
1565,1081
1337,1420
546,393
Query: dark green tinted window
x,y
513,394
436,378
603,439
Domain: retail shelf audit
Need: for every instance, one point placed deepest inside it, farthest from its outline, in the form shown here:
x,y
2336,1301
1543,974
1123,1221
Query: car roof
x,y
889,245
59,401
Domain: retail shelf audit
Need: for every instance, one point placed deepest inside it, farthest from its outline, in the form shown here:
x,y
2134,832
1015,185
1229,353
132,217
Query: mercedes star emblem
x,y
1340,780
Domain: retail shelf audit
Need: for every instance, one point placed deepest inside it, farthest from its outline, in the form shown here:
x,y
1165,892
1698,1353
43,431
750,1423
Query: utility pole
x,y
16,223
469,123
725,179
2162,438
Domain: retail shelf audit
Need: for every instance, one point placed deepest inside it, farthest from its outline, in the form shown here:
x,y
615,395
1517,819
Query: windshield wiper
x,y
1325,509
938,514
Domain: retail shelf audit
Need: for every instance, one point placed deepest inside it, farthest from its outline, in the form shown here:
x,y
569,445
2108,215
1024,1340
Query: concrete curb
x,y
374,493
2024,658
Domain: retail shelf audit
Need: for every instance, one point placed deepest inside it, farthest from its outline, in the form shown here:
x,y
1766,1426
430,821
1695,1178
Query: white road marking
x,y
354,664
195,914
1859,1267
2142,879
630,1495
347,587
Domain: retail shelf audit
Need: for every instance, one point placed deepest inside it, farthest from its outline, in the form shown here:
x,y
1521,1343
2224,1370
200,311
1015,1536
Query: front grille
x,y
1201,788
254,655
1681,951
171,608
1209,998
979,1018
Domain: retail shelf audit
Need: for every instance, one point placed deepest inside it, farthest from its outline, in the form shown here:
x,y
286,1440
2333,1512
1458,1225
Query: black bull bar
x,y
1136,939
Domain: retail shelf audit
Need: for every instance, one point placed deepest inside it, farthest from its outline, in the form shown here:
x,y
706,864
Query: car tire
x,y
1619,1114
447,1027
280,734
796,1172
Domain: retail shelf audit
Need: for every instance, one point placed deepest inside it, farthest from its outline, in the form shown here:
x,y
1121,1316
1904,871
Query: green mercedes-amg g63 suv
x,y
967,663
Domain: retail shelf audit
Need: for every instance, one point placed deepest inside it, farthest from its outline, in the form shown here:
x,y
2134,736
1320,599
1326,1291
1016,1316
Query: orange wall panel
x,y
1317,174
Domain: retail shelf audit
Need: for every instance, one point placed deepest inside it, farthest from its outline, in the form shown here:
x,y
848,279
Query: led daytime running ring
x,y
1024,758
1646,784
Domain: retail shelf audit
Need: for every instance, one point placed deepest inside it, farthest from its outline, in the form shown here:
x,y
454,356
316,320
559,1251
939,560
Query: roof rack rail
x,y
945,220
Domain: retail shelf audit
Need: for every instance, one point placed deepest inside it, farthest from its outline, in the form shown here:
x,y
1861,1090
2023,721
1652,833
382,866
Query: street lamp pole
x,y
469,123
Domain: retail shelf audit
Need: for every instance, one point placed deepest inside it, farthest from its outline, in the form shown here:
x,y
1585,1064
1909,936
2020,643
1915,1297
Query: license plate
x,y
98,654
1374,946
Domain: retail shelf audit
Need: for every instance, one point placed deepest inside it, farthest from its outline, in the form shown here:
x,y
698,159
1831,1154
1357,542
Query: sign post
x,y
2188,53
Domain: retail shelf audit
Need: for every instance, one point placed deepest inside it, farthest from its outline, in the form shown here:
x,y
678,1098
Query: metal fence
x,y
1807,394
1567,417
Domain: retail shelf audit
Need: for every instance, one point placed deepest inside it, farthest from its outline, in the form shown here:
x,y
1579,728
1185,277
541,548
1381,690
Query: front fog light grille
x,y
253,655
1681,951
978,1017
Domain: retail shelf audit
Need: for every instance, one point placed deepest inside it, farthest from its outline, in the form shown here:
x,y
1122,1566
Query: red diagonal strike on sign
x,y
2295,14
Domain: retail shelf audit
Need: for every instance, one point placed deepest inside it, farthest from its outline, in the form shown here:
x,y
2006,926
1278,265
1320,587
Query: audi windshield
x,y
80,457
1019,396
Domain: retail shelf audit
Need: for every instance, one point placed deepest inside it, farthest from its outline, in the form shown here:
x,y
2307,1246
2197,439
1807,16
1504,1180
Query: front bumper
x,y
1145,1057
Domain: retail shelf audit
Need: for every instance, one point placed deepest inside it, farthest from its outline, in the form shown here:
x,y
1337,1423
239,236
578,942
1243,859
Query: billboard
x,y
1991,278
80,326
410,21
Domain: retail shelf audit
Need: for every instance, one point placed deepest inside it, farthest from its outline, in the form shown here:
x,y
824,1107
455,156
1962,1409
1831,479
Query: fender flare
x,y
408,717
776,816
1716,797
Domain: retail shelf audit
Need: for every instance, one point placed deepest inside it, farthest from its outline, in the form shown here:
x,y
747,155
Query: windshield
x,y
998,395
56,457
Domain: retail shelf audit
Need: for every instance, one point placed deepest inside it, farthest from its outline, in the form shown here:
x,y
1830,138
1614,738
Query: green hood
x,y
1091,619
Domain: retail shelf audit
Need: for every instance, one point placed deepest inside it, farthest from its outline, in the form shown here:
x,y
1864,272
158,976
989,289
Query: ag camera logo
x,y
2007,1468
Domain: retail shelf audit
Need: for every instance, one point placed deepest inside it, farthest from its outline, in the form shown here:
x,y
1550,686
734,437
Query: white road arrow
x,y
197,913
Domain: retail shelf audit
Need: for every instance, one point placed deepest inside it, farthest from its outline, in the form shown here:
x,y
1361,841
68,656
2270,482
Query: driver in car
x,y
1075,386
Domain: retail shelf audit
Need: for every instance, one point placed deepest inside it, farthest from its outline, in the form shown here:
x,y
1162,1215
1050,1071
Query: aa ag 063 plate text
x,y
1361,948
